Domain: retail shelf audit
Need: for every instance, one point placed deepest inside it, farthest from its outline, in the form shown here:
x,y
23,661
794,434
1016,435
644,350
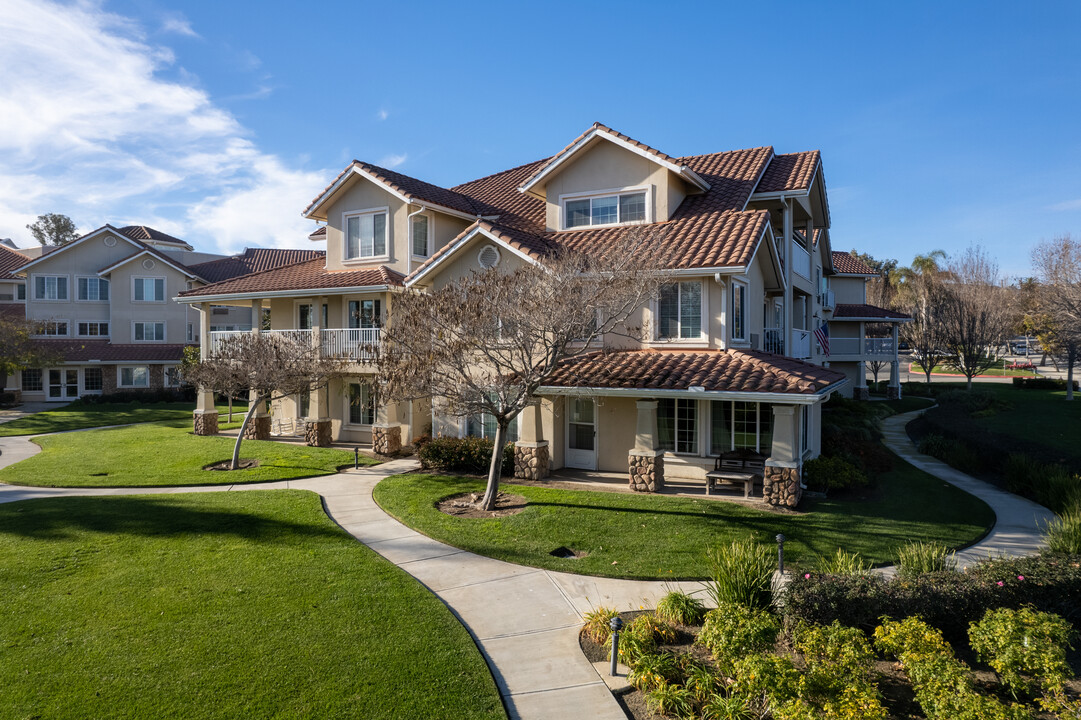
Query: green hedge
x,y
186,394
1041,383
468,455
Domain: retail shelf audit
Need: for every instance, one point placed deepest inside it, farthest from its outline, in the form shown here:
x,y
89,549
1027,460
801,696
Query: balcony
x,y
353,344
858,348
801,344
773,340
801,261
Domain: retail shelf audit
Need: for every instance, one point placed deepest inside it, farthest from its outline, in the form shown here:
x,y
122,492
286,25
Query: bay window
x,y
679,311
366,235
604,210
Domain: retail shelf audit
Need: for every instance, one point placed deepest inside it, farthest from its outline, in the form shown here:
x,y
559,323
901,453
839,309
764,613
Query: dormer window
x,y
366,234
608,209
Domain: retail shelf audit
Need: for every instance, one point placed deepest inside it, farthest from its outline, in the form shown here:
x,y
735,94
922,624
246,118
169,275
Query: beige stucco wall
x,y
465,262
126,311
848,290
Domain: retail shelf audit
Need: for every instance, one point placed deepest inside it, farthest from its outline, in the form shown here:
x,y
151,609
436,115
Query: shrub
x,y
670,700
167,395
653,670
741,573
1022,644
632,647
598,624
919,557
1041,383
837,683
702,683
727,707
764,680
1063,534
972,401
935,445
843,563
652,629
850,430
733,631
680,608
834,473
7,399
468,454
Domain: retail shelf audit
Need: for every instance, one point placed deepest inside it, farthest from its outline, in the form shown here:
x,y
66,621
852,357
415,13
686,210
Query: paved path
x,y
524,620
1018,524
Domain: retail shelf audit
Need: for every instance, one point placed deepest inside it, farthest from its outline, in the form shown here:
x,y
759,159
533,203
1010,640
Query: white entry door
x,y
63,385
582,433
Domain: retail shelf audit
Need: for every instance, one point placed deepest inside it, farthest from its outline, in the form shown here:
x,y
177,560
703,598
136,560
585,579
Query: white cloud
x,y
1066,206
393,160
178,25
382,114
89,127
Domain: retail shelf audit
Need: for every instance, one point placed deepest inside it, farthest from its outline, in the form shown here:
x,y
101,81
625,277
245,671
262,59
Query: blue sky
x,y
940,124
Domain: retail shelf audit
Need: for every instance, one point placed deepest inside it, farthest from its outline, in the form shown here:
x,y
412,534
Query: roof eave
x,y
770,397
302,292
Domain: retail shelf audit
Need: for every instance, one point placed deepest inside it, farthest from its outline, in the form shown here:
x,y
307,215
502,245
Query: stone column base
x,y
17,394
258,428
386,439
531,460
646,470
317,433
781,486
893,393
861,393
206,423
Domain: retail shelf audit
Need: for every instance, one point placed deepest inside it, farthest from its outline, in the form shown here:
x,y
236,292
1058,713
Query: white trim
x,y
455,245
154,256
164,289
431,224
44,323
354,170
315,313
99,323
95,278
387,239
616,192
86,390
703,333
120,376
567,432
264,294
775,398
31,292
347,418
746,337
164,330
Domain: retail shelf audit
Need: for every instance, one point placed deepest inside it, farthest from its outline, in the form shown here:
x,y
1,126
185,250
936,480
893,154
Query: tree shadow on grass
x,y
150,517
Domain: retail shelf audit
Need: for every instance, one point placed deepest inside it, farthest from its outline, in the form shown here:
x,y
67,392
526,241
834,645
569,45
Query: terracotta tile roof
x,y
793,171
142,232
732,176
851,312
252,260
408,186
498,195
9,260
848,264
105,351
712,370
308,275
320,233
151,251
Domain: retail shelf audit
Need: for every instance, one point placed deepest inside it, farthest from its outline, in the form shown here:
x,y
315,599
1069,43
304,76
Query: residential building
x,y
730,362
105,302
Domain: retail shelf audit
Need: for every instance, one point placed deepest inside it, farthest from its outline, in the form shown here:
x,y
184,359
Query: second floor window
x,y
50,287
149,331
93,329
365,235
91,289
679,311
420,236
605,210
149,289
53,328
739,311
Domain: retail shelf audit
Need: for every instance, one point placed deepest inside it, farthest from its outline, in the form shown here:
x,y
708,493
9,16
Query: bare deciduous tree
x,y
921,295
1058,264
272,365
487,342
976,313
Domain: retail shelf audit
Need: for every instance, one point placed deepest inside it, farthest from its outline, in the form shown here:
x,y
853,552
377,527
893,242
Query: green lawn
x,y
79,416
164,454
647,536
996,371
219,605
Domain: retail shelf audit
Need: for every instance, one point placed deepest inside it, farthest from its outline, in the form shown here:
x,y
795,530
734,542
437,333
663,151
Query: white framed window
x,y
137,376
51,287
172,376
191,332
738,425
53,328
305,316
33,380
365,313
93,379
92,289
20,291
677,425
484,426
607,208
148,332
361,404
92,329
365,234
420,234
739,310
679,311
148,289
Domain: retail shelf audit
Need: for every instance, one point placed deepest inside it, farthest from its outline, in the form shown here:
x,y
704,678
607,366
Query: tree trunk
x,y
1069,376
240,436
495,469
969,385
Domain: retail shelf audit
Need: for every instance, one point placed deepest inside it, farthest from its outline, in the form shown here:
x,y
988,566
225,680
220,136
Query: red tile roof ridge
x,y
252,275
846,263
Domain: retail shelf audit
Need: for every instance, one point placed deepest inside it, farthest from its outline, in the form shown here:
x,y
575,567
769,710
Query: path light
x,y
780,553
356,457
616,624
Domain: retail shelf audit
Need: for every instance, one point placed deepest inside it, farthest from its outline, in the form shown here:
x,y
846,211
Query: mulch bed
x,y
465,505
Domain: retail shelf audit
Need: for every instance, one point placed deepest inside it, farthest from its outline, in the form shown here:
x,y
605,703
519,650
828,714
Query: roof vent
x,y
109,240
148,264
488,257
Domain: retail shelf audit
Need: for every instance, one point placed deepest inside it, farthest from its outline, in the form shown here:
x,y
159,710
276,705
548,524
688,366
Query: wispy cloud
x,y
89,127
383,114
177,24
393,160
1066,206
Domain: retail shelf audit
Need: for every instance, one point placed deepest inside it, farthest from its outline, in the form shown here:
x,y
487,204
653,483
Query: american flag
x,y
822,334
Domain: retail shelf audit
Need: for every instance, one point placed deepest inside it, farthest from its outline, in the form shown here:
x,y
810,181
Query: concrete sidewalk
x,y
1019,522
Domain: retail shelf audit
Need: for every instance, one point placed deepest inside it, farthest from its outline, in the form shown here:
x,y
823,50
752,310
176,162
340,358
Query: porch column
x,y
387,431
532,459
893,392
645,462
781,481
317,431
259,427
861,392
206,414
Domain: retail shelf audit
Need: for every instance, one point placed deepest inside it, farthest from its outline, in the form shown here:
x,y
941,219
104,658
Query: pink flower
x,y
1020,577
806,576
1000,583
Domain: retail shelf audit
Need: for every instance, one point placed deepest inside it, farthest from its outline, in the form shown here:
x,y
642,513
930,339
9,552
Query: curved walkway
x,y
1018,522
524,620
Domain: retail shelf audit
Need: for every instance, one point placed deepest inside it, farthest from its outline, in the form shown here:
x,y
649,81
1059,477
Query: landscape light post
x,y
780,553
356,457
616,624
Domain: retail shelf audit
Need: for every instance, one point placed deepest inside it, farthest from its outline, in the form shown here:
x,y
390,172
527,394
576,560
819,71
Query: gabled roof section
x,y
252,260
792,172
320,233
848,264
9,260
529,247
138,244
298,280
600,131
151,252
406,188
144,233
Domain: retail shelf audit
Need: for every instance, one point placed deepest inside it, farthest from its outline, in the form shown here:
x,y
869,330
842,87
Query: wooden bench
x,y
736,468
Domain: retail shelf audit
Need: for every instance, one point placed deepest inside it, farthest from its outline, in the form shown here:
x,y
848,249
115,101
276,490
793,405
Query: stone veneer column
x,y
387,432
645,463
532,458
781,484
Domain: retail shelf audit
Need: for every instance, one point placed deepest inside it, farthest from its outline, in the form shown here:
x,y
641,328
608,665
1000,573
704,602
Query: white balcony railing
x,y
355,344
216,338
863,347
219,336
828,300
773,340
801,260
801,344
